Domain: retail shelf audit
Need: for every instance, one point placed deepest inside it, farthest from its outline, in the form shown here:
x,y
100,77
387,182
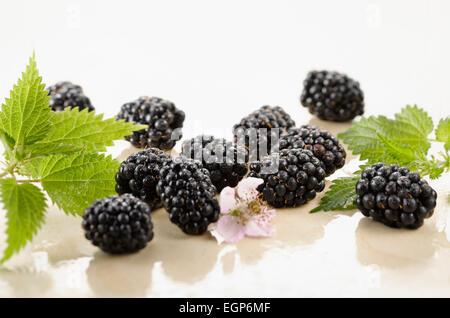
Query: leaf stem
x,y
9,169
28,180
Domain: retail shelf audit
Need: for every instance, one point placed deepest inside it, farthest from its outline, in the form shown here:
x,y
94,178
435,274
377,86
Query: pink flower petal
x,y
227,200
255,228
230,228
247,187
212,228
268,213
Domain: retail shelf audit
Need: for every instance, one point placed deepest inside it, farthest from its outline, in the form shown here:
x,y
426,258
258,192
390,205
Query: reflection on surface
x,y
189,261
388,247
408,262
24,283
120,275
184,258
61,247
294,228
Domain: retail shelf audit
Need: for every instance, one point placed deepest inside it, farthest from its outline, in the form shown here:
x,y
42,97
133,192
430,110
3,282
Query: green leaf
x,y
443,132
25,114
412,127
73,130
75,181
8,144
25,205
420,121
340,196
45,149
432,167
363,138
391,141
401,155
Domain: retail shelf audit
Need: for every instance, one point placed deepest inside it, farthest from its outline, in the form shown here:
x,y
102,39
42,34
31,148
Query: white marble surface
x,y
218,61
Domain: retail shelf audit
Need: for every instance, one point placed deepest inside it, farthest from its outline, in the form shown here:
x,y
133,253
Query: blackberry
x,y
225,161
162,118
118,224
66,94
247,132
321,143
332,96
395,196
291,178
189,196
139,175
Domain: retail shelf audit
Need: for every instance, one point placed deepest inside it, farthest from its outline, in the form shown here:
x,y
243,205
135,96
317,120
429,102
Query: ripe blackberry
x,y
66,94
188,195
332,96
395,196
291,178
139,175
225,161
118,224
162,118
320,142
247,132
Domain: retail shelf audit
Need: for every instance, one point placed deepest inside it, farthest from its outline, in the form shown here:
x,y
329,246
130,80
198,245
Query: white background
x,y
220,60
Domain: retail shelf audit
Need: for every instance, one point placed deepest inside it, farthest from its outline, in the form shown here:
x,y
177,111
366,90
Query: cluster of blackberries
x,y
295,167
332,96
321,143
187,192
258,129
291,178
66,94
164,121
395,196
293,170
146,180
118,224
139,175
182,184
225,161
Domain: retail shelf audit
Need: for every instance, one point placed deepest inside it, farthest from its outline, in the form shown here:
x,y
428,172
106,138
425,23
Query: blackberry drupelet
x,y
332,96
139,175
162,118
66,94
225,161
296,180
189,196
246,132
395,196
320,142
118,224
